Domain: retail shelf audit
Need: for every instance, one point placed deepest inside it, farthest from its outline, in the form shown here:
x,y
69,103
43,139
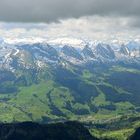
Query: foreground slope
x,y
34,131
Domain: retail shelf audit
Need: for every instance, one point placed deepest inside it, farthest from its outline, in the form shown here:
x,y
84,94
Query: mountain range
x,y
94,83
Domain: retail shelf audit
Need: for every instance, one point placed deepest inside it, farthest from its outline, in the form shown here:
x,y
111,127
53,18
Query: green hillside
x,y
98,95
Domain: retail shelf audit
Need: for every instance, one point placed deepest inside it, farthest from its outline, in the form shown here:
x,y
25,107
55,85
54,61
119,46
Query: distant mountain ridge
x,y
40,53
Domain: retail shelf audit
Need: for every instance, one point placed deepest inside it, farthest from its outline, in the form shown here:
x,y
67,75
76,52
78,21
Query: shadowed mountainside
x,y
136,135
35,131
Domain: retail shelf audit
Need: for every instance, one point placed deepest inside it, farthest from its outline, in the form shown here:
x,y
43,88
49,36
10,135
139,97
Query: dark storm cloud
x,y
52,10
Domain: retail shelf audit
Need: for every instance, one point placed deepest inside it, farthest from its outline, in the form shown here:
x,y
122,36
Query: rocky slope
x,y
39,54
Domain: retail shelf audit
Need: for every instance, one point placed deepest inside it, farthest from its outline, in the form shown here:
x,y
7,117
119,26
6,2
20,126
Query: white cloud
x,y
91,27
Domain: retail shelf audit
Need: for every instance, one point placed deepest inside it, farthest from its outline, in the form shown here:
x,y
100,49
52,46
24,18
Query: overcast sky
x,y
92,18
53,10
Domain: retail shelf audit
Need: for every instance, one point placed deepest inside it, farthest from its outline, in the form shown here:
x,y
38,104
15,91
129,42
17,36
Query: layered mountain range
x,y
94,83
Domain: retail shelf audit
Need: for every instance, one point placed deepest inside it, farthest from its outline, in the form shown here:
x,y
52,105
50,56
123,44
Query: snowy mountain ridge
x,y
37,53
